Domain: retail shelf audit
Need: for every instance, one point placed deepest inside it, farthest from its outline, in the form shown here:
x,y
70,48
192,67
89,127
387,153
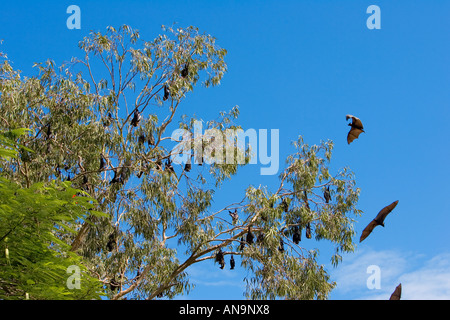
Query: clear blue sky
x,y
300,67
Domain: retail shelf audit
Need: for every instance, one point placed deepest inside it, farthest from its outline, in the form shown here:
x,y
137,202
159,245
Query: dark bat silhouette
x,y
136,118
308,230
234,215
102,162
327,194
113,284
250,236
118,177
232,263
187,167
356,128
397,293
285,205
169,165
108,120
220,259
111,245
281,247
185,71
378,221
166,93
297,236
242,245
141,138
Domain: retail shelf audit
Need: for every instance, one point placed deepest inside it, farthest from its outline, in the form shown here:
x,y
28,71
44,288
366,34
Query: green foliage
x,y
33,259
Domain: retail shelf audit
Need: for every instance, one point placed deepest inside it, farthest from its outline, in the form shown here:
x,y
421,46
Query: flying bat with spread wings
x,y
378,221
397,293
356,128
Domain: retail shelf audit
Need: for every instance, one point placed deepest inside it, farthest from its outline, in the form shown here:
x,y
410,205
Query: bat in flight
x,y
356,128
397,293
378,221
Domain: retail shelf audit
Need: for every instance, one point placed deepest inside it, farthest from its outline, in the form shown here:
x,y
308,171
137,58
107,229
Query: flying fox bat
x,y
379,220
327,195
232,263
308,230
397,293
297,236
281,246
166,93
234,215
185,71
219,258
356,128
250,236
102,162
136,118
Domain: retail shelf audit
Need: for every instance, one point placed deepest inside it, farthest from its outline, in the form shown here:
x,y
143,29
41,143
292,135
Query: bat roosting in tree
x,y
356,128
185,71
327,194
397,293
234,215
166,93
232,263
219,258
297,236
379,220
250,236
136,118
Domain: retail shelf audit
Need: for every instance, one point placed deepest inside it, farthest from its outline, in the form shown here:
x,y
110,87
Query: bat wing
x,y
367,230
397,293
356,122
353,134
385,211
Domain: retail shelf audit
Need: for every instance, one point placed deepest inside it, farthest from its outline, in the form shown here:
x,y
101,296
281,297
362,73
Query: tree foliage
x,y
84,115
34,260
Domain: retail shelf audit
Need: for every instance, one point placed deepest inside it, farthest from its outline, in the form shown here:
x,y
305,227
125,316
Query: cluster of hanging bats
x,y
355,130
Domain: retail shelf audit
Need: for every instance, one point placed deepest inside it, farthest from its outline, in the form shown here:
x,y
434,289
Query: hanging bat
x,y
185,71
102,162
242,245
234,215
187,167
281,247
308,230
378,221
111,245
169,165
141,138
108,120
136,118
327,194
356,128
285,205
232,263
166,93
397,293
297,236
219,258
250,236
116,178
113,284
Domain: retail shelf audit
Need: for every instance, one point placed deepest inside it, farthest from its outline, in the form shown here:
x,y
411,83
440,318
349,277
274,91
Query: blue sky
x,y
300,67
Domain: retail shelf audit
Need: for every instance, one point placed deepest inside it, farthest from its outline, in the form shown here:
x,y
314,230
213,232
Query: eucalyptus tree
x,y
104,121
